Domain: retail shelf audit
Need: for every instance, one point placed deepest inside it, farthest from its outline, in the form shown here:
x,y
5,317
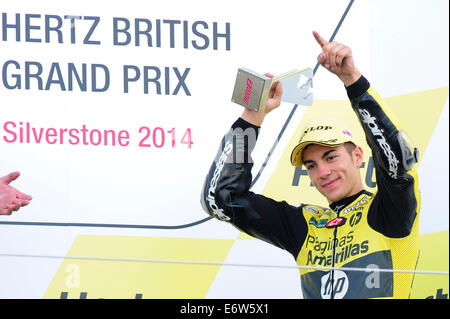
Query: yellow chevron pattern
x,y
137,279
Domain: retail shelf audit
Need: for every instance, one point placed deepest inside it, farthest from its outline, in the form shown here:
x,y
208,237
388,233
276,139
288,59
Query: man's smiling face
x,y
334,171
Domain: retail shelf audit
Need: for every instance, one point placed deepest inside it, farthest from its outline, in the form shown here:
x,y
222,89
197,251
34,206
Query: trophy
x,y
251,89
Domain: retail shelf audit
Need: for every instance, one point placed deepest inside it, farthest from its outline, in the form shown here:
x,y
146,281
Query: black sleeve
x,y
226,194
395,205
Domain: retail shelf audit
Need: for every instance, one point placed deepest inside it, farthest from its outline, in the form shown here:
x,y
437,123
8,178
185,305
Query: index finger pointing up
x,y
319,39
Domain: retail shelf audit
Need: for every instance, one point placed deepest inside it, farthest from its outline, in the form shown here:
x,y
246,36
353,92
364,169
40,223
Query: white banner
x,y
113,113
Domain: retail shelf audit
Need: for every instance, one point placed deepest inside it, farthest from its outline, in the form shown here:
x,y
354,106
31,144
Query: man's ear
x,y
358,155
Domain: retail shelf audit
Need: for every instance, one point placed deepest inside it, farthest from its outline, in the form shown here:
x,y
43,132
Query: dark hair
x,y
349,146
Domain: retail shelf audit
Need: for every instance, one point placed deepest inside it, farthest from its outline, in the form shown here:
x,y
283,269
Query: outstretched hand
x,y
11,199
337,58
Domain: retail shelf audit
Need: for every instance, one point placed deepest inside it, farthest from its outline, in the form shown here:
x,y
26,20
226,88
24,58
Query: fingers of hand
x,y
342,52
322,58
13,205
319,39
274,86
5,211
274,99
333,56
9,208
19,201
278,91
23,196
23,203
9,178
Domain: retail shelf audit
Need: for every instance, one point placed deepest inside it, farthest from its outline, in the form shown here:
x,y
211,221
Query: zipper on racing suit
x,y
337,222
333,258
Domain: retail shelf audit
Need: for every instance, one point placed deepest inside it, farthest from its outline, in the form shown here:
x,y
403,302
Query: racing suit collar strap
x,y
342,203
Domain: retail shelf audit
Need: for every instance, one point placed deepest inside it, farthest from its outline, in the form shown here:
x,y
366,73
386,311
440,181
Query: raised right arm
x,y
226,195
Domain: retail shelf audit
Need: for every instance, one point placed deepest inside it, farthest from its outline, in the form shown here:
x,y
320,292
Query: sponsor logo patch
x,y
339,221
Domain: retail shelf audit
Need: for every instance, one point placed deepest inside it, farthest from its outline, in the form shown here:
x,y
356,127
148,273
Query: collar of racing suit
x,y
342,203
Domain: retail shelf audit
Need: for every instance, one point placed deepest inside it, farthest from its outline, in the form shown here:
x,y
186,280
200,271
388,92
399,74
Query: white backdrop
x,y
395,45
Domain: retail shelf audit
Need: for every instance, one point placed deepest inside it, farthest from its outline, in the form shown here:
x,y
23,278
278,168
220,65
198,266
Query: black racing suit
x,y
380,230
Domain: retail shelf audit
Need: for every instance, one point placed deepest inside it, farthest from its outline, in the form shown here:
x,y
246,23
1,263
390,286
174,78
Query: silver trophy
x,y
251,89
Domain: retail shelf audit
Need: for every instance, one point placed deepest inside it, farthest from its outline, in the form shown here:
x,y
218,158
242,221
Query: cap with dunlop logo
x,y
324,131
